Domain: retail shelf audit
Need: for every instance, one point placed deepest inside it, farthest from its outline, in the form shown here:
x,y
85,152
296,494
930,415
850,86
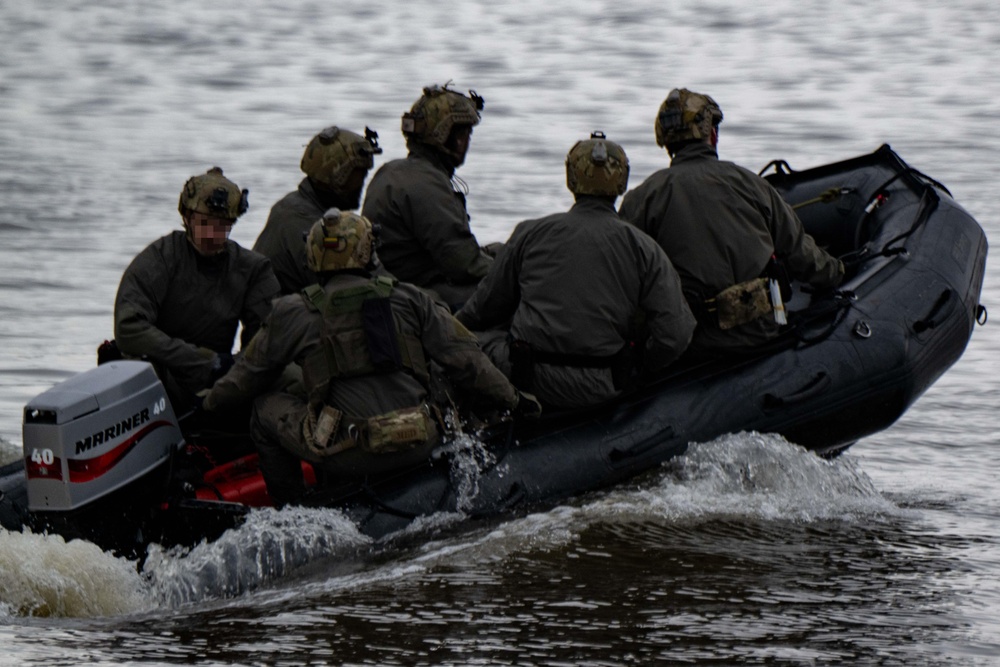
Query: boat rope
x,y
825,197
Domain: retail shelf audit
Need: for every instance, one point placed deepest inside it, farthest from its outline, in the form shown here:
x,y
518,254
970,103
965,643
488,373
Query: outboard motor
x,y
95,447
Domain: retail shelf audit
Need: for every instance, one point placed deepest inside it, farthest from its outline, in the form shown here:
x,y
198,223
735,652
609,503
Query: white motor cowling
x,y
94,433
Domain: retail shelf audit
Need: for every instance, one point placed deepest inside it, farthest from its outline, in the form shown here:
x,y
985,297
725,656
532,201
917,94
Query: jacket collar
x,y
435,157
693,152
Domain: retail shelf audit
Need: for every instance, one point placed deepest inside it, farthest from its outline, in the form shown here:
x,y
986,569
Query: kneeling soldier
x,y
364,344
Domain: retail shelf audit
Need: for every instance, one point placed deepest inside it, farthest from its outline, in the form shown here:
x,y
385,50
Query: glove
x,y
220,365
527,406
198,401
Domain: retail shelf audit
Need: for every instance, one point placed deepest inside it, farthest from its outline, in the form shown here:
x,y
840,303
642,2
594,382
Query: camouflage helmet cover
x,y
686,115
597,166
212,194
438,110
333,154
339,240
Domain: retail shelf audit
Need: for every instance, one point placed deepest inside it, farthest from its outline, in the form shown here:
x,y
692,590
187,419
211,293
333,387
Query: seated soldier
x,y
573,287
420,204
726,230
181,299
364,344
336,163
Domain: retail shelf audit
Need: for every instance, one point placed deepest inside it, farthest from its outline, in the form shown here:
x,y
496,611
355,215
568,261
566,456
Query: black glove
x,y
528,406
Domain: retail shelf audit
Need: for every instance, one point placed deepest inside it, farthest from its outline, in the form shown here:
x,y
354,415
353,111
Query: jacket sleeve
x,y
277,343
441,225
805,260
671,323
263,287
498,295
456,349
142,290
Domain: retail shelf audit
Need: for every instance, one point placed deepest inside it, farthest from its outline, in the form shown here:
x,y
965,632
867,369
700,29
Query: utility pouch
x,y
741,303
399,430
319,428
522,363
380,333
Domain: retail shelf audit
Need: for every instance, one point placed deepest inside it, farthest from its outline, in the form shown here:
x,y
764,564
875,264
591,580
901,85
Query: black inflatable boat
x,y
105,460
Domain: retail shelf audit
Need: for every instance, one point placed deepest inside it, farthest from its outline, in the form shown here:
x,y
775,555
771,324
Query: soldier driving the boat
x,y
335,163
181,299
365,344
420,203
575,288
727,230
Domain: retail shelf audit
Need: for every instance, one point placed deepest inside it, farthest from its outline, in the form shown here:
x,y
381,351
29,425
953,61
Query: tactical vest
x,y
360,337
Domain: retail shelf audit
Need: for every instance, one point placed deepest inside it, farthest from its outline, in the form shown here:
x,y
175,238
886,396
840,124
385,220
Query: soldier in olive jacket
x,y
425,235
364,344
336,163
181,299
576,287
719,223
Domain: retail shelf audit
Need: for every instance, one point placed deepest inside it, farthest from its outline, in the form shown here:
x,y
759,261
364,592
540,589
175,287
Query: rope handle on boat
x,y
812,388
928,322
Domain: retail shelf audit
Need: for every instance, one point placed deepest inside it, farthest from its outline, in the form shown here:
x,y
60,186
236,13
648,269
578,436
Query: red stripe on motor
x,y
87,470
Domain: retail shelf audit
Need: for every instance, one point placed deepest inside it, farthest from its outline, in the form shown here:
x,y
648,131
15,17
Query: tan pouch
x,y
741,303
399,430
318,430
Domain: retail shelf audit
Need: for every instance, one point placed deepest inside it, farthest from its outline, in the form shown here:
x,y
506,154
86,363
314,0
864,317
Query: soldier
x,y
181,299
336,163
425,237
721,225
576,286
364,344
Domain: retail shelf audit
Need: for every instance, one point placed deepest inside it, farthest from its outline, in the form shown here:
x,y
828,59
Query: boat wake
x,y
739,478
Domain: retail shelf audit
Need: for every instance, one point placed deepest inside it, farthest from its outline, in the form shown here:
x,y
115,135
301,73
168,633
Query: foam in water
x,y
9,452
43,575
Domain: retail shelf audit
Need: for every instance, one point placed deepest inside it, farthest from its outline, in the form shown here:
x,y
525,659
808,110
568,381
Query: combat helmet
x,y
339,240
597,166
438,110
334,154
212,194
685,115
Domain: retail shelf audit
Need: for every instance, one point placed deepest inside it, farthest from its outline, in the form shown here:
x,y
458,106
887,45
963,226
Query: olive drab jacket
x,y
181,310
720,224
294,332
425,237
283,238
575,283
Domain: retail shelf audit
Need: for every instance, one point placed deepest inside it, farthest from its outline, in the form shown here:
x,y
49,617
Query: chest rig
x,y
360,335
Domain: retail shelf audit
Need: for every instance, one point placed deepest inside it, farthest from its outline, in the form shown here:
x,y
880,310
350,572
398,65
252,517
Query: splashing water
x,y
43,575
269,545
469,458
757,476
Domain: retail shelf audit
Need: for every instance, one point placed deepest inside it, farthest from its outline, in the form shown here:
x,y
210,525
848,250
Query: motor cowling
x,y
95,433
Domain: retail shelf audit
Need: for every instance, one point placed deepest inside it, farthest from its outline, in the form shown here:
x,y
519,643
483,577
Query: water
x,y
745,551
